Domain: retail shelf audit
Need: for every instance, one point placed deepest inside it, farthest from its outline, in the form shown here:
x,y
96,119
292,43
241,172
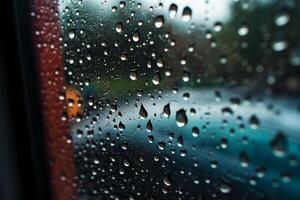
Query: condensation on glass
x,y
171,99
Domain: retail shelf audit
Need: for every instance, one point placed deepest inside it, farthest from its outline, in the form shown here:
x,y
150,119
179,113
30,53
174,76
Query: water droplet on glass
x,y
72,34
150,138
143,112
294,57
160,62
123,56
244,160
167,180
218,27
195,131
156,79
159,21
149,126
279,45
121,126
119,27
227,111
225,187
186,14
180,141
173,10
136,36
279,145
161,145
181,118
254,122
167,110
243,30
133,75
282,19
186,76
186,96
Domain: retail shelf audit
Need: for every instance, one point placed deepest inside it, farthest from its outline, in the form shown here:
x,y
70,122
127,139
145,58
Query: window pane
x,y
171,99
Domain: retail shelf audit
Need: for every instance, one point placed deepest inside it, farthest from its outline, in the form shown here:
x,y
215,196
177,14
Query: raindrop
x,y
279,45
133,75
254,122
224,143
243,30
225,187
161,145
167,110
195,131
186,14
167,180
294,57
244,160
186,76
119,27
160,62
156,79
122,4
218,27
180,141
136,36
159,21
173,10
143,113
123,56
227,111
279,145
72,34
282,19
149,126
186,96
150,139
214,164
181,118
121,126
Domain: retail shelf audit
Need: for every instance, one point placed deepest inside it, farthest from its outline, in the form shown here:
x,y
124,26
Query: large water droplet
x,y
167,180
121,126
180,141
254,122
225,187
279,45
282,19
186,14
136,36
156,79
159,21
143,112
149,126
218,27
243,30
244,160
279,145
181,118
195,131
72,34
173,10
119,27
167,110
133,75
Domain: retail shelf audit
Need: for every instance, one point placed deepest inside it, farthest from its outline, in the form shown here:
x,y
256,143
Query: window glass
x,y
171,99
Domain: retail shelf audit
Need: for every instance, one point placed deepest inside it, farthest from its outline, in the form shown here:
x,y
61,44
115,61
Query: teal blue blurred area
x,y
264,174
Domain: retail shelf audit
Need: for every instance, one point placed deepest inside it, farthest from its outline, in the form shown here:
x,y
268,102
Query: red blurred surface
x,y
50,62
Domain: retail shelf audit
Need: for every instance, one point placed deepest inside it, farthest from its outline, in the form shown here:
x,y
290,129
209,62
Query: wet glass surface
x,y
183,99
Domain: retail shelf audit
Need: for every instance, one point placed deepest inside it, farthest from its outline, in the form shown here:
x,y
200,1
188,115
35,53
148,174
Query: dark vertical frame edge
x,y
24,90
